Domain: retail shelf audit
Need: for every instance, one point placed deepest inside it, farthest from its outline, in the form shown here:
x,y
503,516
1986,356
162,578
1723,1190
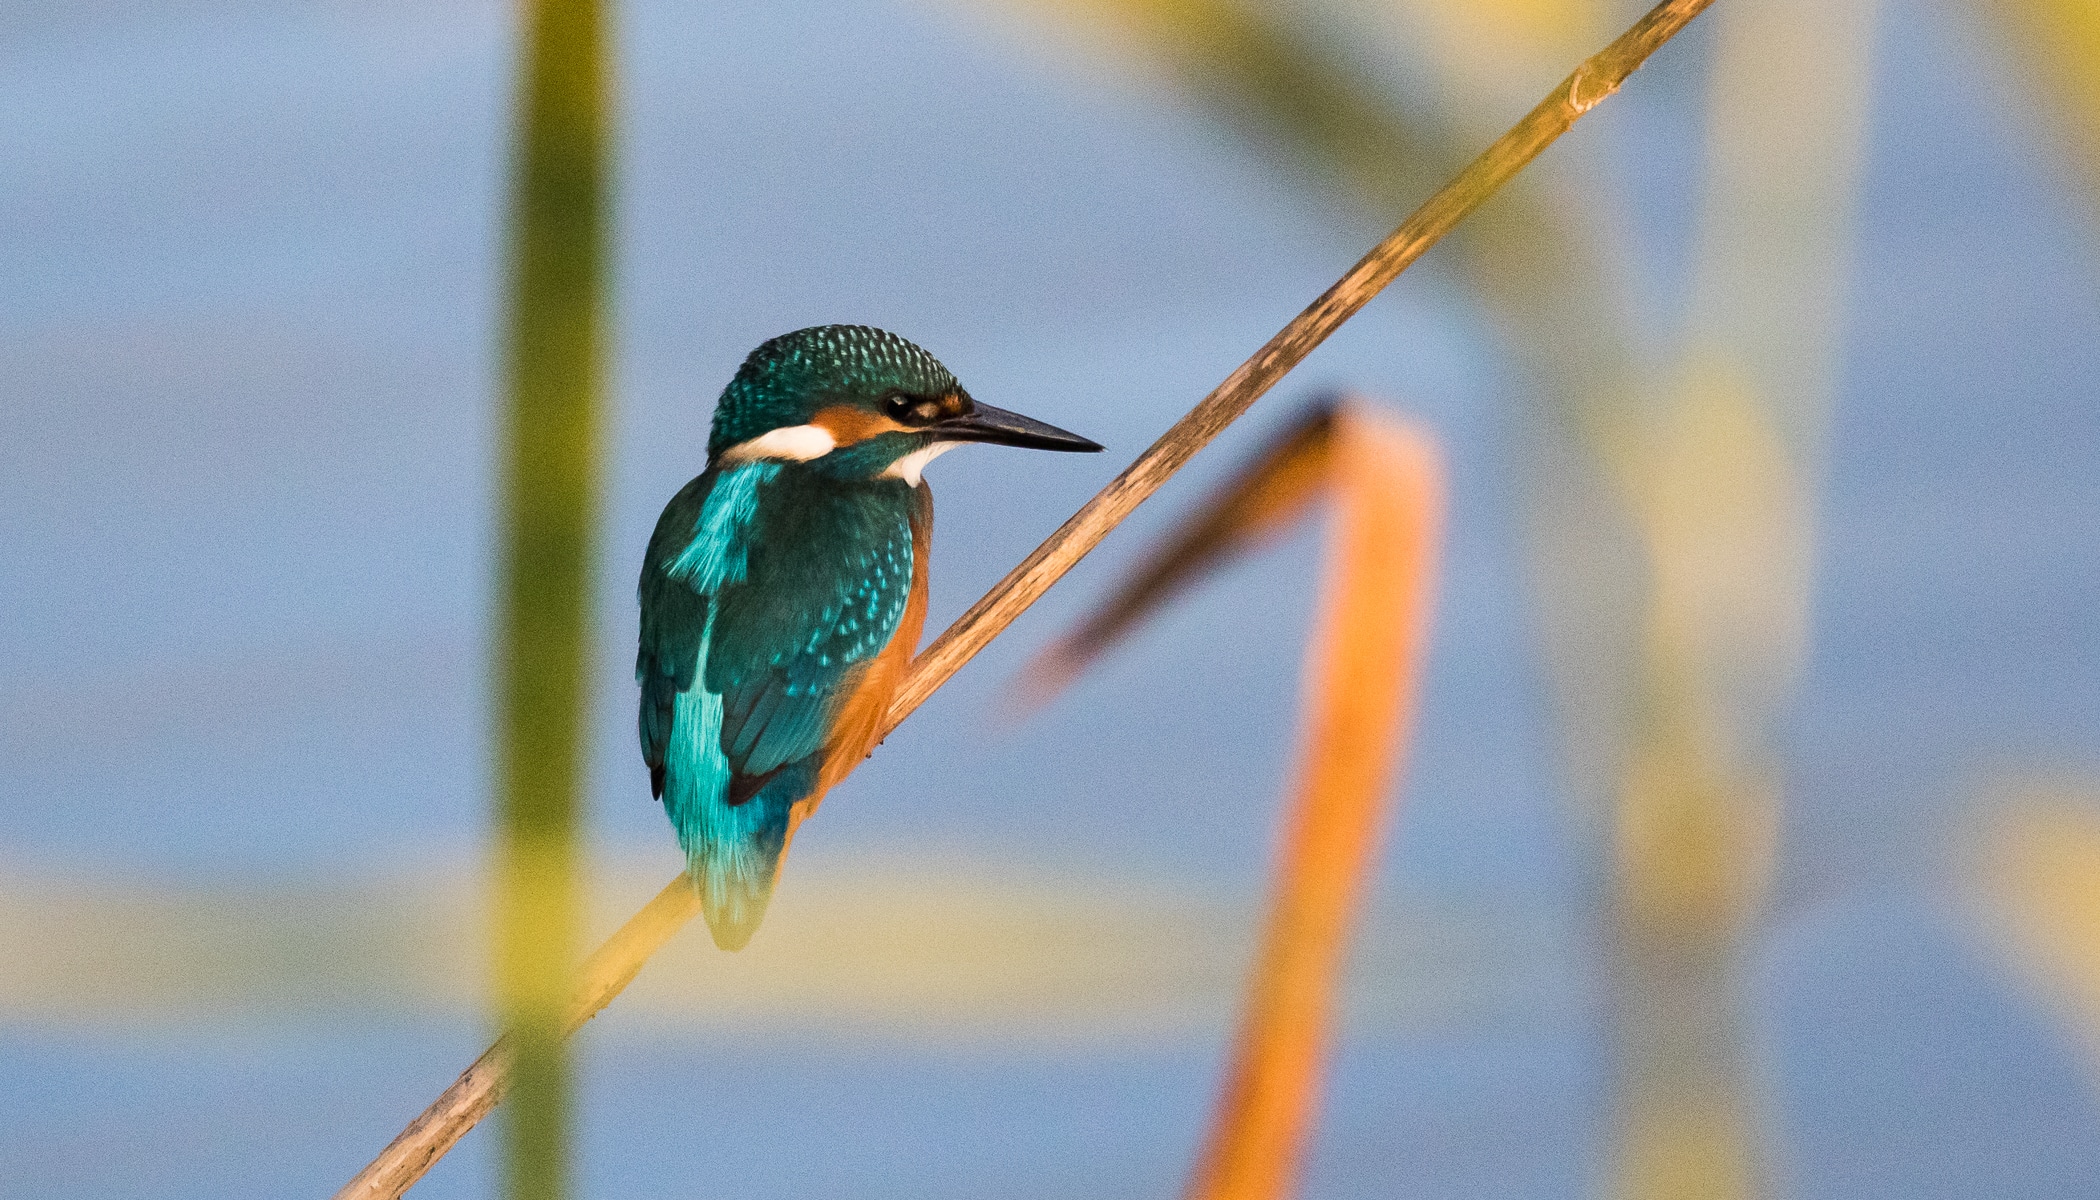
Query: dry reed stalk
x,y
439,1127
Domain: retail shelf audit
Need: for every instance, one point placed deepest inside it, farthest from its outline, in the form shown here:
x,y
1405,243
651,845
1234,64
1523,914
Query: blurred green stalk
x,y
550,495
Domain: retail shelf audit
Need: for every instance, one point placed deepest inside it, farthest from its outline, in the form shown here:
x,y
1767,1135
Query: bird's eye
x,y
914,410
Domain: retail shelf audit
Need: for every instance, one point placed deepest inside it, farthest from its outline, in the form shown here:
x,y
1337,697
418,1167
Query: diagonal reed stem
x,y
1598,77
470,1098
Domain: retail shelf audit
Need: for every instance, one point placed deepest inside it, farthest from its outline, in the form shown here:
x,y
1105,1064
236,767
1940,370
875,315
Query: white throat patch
x,y
796,443
912,466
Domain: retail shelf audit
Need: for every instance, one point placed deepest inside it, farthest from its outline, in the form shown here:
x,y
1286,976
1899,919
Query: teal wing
x,y
763,598
829,581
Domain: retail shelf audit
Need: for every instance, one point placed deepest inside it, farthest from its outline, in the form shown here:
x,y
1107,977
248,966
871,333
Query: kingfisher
x,y
784,591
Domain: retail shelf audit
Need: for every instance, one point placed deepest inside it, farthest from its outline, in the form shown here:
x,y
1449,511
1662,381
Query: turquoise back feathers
x,y
776,586
766,592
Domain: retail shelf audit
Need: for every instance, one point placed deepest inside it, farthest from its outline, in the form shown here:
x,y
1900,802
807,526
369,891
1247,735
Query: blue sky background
x,y
246,300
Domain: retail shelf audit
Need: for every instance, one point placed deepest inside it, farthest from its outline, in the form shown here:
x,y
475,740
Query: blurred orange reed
x,y
1362,670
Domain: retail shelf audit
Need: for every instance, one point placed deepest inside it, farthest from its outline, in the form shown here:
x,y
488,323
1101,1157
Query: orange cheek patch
x,y
850,425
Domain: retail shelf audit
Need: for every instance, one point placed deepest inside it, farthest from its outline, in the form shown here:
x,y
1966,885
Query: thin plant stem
x,y
476,1092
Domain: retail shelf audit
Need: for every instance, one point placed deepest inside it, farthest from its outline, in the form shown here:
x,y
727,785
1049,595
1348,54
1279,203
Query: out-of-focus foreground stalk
x,y
550,492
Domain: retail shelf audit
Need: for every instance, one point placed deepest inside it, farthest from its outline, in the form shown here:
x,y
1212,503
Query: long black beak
x,y
987,424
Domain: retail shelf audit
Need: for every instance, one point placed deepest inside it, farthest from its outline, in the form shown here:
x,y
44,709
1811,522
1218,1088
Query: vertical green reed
x,y
550,499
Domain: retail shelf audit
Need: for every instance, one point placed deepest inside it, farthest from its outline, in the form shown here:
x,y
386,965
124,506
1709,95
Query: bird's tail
x,y
733,850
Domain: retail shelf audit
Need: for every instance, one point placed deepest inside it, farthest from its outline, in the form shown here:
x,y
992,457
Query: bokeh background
x,y
1751,842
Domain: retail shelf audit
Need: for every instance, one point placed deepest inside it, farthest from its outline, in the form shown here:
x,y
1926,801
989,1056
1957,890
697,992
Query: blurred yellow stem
x,y
2057,45
1720,484
549,510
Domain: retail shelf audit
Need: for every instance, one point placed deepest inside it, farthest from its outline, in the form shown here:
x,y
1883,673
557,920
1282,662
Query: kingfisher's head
x,y
859,403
